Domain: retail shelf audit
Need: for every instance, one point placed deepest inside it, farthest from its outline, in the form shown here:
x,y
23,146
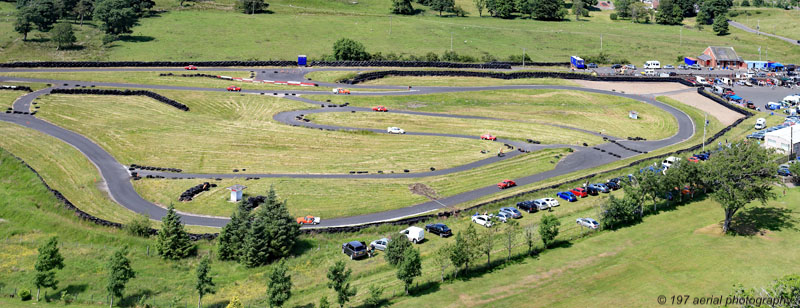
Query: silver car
x,y
503,216
588,222
380,244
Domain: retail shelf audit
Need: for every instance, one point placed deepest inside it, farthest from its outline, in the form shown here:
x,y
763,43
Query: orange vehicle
x,y
190,68
488,137
234,88
506,184
341,91
308,220
380,109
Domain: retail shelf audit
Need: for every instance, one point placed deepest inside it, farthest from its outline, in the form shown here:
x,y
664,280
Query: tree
x,y
402,7
346,49
486,244
409,268
740,174
702,19
578,9
251,6
139,225
282,230
256,250
480,5
640,13
530,237
459,253
173,242
141,7
548,9
395,250
687,7
504,8
720,26
619,211
64,36
323,302
116,16
441,259
232,237
235,303
43,14
339,281
710,9
623,8
548,229
374,299
23,24
48,261
442,5
512,227
669,13
279,287
745,3
119,273
205,284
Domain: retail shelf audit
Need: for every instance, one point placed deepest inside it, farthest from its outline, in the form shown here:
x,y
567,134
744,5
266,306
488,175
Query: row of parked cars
x,y
416,235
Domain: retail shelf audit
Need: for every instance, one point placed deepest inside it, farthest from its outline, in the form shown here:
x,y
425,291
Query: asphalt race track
x,y
118,178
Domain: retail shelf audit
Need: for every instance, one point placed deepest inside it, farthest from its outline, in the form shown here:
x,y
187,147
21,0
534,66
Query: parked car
x,y
592,190
380,109
612,185
598,187
528,206
591,65
784,172
588,222
630,66
567,196
683,66
580,192
503,217
551,202
395,130
234,88
341,91
516,214
482,220
616,66
439,229
693,159
308,220
414,234
506,184
541,205
669,161
488,137
669,66
380,244
354,249
695,67
190,68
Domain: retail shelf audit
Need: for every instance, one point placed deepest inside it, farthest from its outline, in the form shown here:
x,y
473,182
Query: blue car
x,y
599,187
784,172
567,196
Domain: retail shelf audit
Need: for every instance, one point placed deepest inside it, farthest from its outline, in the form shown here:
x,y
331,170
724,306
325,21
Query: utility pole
x,y
451,41
601,42
523,57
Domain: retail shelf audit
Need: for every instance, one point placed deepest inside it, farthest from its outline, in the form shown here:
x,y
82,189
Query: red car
x,y
488,137
506,184
380,109
190,68
308,220
580,192
693,159
234,88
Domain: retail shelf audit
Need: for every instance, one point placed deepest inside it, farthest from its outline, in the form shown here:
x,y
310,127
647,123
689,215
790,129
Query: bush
x,y
251,6
613,16
24,295
139,226
431,57
346,49
109,38
458,11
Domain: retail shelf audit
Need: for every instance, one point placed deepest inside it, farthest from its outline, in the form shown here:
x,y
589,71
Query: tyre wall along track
x,y
149,94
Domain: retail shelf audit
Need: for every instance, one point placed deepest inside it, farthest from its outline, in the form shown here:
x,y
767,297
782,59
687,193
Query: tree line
x,y
672,12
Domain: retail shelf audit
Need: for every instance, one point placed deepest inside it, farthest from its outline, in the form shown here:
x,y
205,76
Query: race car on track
x,y
341,91
234,88
308,220
488,137
395,130
190,68
506,184
380,109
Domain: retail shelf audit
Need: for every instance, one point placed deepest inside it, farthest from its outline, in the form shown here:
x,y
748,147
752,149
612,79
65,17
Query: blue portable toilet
x,y
301,60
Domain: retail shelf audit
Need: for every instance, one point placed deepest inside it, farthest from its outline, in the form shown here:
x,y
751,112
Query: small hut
x,y
633,115
236,192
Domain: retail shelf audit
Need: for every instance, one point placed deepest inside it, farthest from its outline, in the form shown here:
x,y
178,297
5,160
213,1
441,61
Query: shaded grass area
x,y
154,79
590,111
430,81
226,131
516,130
329,198
640,260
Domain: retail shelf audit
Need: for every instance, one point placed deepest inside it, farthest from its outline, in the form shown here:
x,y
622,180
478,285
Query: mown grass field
x,y
590,111
295,28
770,20
153,78
345,197
628,267
502,129
466,81
226,131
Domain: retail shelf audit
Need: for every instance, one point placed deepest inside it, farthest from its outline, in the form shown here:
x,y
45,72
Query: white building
x,y
236,192
782,138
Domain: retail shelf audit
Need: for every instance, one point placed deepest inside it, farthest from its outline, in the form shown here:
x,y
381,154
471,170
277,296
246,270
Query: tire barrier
x,y
508,76
491,65
16,88
627,148
532,63
99,221
253,202
147,63
151,168
290,83
637,138
149,94
190,193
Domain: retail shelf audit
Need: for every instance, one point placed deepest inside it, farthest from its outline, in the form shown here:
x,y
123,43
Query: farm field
x,y
346,197
563,107
226,131
770,20
610,259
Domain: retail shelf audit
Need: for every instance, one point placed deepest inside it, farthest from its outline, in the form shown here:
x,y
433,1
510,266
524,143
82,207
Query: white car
x,y
395,130
588,222
414,234
541,205
550,202
503,216
380,244
482,220
669,161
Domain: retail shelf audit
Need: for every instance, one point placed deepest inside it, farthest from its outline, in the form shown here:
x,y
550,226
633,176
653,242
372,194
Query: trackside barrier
x,y
149,94
496,65
16,88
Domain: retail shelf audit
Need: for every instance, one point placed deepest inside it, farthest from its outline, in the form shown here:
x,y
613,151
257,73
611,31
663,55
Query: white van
x,y
792,99
701,80
761,123
414,234
652,64
669,161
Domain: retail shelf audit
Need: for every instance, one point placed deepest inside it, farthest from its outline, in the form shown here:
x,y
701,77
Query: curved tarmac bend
x,y
121,189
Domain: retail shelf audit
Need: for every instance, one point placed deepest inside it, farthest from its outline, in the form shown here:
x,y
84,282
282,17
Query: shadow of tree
x,y
72,289
130,300
136,38
755,220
